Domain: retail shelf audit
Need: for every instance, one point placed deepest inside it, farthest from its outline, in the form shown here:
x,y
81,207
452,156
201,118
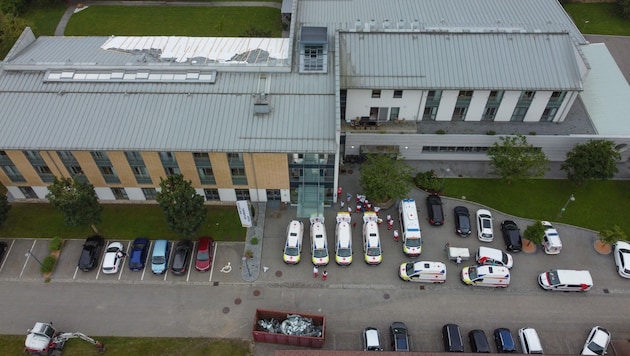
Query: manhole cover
x,y
237,301
256,292
606,290
215,284
421,287
278,273
386,296
226,310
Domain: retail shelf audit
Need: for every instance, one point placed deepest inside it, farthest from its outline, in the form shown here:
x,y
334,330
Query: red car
x,y
205,249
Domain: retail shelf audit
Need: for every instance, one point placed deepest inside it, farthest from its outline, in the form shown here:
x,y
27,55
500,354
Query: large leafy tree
x,y
11,28
514,159
624,6
383,178
612,235
596,159
77,200
4,208
535,233
182,206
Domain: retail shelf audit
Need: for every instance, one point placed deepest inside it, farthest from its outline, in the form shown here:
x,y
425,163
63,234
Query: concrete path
x,y
61,27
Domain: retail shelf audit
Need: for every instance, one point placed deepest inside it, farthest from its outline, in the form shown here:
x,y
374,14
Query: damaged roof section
x,y
203,50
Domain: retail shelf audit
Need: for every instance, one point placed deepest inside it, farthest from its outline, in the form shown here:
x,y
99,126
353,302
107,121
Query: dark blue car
x,y
138,254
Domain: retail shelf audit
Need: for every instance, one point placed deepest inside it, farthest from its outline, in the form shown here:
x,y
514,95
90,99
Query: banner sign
x,y
244,213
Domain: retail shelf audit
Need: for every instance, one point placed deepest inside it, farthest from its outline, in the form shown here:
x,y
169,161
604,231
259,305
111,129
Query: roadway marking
x,y
7,255
214,255
146,260
122,261
27,257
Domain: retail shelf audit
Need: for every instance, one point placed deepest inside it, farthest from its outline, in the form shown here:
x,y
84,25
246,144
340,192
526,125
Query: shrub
x,y
48,264
427,180
440,132
491,133
254,240
55,244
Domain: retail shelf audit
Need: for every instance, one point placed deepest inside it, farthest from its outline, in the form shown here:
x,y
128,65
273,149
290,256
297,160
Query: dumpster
x,y
288,328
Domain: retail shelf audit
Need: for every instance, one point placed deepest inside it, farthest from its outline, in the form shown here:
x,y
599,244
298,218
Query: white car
x,y
597,341
622,258
494,257
113,256
551,241
484,225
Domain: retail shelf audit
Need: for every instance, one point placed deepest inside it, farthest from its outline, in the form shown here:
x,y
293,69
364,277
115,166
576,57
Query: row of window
x,y
454,149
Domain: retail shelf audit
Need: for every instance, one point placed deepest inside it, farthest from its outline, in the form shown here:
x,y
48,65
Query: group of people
x,y
363,205
316,273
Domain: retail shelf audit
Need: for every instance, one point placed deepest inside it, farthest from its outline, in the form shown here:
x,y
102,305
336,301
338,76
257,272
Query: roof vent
x,y
386,24
358,25
401,24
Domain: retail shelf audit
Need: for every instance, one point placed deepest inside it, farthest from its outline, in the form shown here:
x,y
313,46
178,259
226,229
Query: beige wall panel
x,y
4,179
54,163
122,168
90,169
221,170
270,171
154,166
26,169
187,166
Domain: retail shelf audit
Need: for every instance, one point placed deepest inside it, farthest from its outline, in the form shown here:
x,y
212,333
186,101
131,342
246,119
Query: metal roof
x,y
606,92
506,61
530,15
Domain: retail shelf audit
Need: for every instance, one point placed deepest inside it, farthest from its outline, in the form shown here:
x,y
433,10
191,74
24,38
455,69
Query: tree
x,y
535,233
596,159
384,178
611,236
4,208
77,200
515,159
182,206
11,28
624,6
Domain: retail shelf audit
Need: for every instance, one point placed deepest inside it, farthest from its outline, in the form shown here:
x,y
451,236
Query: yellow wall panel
x,y
221,169
26,169
187,166
154,166
122,168
90,169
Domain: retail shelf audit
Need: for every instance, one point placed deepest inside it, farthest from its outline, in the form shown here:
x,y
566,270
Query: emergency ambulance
x,y
410,228
486,276
319,242
293,245
423,271
343,239
371,239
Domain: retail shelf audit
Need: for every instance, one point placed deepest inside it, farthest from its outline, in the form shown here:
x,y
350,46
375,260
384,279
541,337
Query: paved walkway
x,y
61,27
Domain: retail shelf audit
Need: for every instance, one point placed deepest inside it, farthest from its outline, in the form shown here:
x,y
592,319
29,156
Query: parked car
x,y
91,252
160,256
551,241
205,249
400,336
452,338
478,341
494,257
504,341
181,256
511,236
530,342
596,342
293,245
371,339
485,231
622,258
3,249
434,210
462,221
113,255
138,254
566,280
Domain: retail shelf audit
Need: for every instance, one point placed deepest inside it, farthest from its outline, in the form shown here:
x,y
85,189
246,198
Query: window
x,y
70,162
105,166
171,171
237,168
169,162
40,166
528,95
134,158
376,94
459,113
149,193
393,114
13,173
519,114
211,194
557,96
398,94
120,194
429,113
204,168
242,194
28,192
273,194
548,114
490,113
454,149
495,96
465,94
313,58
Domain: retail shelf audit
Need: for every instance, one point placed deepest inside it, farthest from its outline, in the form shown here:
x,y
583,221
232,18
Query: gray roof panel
x,y
505,61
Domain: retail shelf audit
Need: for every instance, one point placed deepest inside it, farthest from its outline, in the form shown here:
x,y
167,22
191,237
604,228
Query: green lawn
x,y
14,346
125,222
598,19
173,21
44,20
598,205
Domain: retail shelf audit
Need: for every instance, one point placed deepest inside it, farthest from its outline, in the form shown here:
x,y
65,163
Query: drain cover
x,y
256,292
226,310
606,290
386,296
237,301
215,283
278,273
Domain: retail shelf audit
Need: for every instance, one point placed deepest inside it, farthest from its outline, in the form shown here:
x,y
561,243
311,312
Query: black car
x,y
434,209
511,236
91,252
452,338
478,341
462,221
504,340
3,248
400,336
138,254
181,256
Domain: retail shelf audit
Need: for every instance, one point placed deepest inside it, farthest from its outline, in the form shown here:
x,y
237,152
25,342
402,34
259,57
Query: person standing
x,y
324,275
390,224
348,197
389,218
458,261
341,202
315,272
339,191
396,235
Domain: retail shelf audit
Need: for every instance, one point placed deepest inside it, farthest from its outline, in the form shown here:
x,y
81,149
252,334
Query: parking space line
x,y
192,255
123,260
7,255
76,269
28,255
214,255
146,261
101,259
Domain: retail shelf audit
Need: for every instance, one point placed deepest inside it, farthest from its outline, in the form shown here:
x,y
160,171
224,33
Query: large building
x,y
274,119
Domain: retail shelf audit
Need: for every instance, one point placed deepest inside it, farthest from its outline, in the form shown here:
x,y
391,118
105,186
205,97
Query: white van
x,y
551,241
423,271
293,245
410,228
486,276
530,342
371,239
494,257
343,239
566,280
319,242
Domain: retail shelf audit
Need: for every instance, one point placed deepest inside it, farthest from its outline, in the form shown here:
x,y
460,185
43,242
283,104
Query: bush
x,y
48,264
428,181
440,132
55,244
254,240
491,133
